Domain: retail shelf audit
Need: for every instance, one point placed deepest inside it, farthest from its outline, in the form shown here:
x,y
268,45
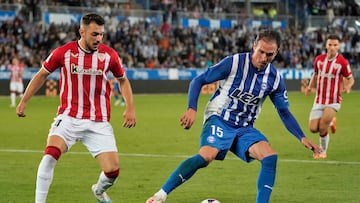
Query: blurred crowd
x,y
145,44
333,7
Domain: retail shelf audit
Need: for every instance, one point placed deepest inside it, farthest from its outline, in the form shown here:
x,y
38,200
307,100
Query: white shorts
x,y
318,109
98,137
17,87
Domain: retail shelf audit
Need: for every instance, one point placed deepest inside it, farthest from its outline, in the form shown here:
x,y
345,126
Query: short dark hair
x,y
269,35
334,37
92,17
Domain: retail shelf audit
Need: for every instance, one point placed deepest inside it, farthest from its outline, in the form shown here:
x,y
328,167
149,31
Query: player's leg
x,y
55,147
117,98
324,123
100,141
328,115
254,145
266,178
12,94
333,125
59,141
20,90
184,172
316,115
109,163
122,100
189,167
116,92
210,144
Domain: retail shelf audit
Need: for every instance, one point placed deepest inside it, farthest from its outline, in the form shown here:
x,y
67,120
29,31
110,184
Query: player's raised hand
x,y
188,119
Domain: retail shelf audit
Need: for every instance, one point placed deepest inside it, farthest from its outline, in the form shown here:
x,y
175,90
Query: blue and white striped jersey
x,y
242,90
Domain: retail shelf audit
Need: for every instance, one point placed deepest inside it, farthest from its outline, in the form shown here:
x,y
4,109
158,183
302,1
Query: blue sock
x,y
184,172
116,97
266,179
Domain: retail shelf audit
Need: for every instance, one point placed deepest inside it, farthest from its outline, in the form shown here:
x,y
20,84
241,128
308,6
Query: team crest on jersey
x,y
211,139
264,85
101,56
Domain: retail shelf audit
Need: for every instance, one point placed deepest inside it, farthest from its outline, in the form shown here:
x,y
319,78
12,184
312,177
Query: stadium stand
x,y
178,34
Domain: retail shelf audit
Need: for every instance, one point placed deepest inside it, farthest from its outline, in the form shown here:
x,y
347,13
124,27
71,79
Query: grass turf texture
x,y
152,150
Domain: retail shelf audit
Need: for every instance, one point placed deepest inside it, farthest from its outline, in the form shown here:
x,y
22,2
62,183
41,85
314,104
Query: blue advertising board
x,y
7,15
163,74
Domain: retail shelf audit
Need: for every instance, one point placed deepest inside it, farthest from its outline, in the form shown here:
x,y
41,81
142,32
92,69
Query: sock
x,y
106,180
44,177
13,99
324,141
116,97
184,172
266,179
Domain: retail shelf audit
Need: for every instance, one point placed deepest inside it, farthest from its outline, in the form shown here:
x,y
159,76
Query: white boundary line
x,y
183,156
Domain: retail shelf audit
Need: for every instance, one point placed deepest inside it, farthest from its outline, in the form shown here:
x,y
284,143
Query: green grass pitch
x,y
151,151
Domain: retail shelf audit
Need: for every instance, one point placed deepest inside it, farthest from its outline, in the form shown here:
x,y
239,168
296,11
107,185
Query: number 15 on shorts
x,y
216,130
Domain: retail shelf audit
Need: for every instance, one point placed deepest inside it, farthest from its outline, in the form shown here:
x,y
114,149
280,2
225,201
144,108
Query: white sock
x,y
160,195
13,99
104,183
44,178
324,143
161,192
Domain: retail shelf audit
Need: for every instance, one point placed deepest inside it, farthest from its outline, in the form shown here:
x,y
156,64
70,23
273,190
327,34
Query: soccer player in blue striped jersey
x,y
246,80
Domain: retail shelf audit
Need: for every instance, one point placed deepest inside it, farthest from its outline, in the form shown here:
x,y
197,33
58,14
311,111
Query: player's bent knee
x,y
53,151
314,130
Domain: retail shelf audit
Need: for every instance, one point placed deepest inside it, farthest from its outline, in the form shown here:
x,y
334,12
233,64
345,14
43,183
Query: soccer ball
x,y
210,200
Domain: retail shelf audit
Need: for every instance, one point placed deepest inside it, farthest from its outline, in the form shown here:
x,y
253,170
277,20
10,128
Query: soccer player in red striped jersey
x,y
84,111
332,75
16,80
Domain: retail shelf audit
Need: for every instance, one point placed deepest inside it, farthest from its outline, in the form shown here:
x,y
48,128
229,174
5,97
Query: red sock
x,y
324,134
53,151
112,174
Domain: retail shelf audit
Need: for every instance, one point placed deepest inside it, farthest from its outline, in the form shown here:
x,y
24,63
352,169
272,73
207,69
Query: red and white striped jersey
x,y
16,72
84,86
330,76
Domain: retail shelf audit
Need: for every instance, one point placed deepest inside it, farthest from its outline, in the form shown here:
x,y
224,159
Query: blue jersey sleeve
x,y
279,97
215,73
290,123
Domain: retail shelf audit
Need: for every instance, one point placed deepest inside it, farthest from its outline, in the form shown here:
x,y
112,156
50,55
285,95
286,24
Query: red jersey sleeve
x,y
345,67
116,66
54,60
316,62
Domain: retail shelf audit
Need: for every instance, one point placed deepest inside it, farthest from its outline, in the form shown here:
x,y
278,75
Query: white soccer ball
x,y
210,200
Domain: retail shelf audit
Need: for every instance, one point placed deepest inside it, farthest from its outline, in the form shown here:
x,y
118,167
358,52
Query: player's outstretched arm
x,y
294,128
129,114
34,85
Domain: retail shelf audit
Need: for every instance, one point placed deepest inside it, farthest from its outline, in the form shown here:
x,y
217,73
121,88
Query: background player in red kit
x,y
16,80
84,111
330,69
